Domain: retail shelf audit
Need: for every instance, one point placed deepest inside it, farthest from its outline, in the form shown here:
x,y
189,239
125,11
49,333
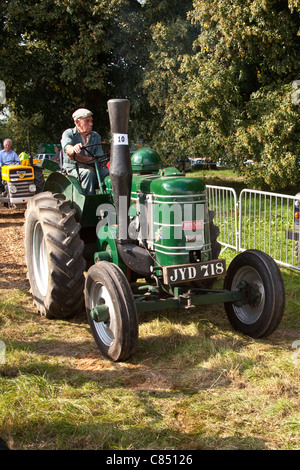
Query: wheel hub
x,y
252,293
99,313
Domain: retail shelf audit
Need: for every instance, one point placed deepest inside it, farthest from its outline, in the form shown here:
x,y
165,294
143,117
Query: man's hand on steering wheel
x,y
79,157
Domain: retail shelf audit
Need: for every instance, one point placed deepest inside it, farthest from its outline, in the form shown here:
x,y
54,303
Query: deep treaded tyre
x,y
117,336
54,257
265,290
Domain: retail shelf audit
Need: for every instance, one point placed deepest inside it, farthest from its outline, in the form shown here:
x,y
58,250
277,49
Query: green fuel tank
x,y
178,223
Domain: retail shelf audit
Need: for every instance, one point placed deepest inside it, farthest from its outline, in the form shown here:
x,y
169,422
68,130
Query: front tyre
x,y
116,336
54,259
258,275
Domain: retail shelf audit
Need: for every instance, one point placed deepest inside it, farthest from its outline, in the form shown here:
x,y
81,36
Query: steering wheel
x,y
102,160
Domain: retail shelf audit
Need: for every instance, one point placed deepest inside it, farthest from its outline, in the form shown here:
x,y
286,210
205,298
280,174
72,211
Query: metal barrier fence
x,y
258,220
223,201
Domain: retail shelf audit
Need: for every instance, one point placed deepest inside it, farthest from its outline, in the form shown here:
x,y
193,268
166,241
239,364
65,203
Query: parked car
x,y
221,164
196,161
42,156
202,164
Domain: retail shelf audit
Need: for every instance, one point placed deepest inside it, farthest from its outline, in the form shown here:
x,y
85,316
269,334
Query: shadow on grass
x,y
117,435
173,361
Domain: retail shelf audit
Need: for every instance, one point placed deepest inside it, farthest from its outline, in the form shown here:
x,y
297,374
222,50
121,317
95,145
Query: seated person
x,y
72,142
7,157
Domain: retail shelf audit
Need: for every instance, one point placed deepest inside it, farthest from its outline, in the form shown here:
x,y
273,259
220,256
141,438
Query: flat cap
x,y
81,113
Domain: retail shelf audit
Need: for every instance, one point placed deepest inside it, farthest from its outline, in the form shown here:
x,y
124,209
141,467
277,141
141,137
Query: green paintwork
x,y
145,160
85,206
175,199
50,165
209,298
106,242
173,186
99,313
143,304
178,204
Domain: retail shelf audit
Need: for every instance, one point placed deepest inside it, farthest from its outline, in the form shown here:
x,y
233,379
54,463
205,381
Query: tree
x,y
230,97
26,133
172,37
65,54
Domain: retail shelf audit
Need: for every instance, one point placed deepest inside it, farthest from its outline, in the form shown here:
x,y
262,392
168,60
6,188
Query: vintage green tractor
x,y
145,242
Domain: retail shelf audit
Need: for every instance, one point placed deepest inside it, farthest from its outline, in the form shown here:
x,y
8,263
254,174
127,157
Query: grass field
x,y
193,384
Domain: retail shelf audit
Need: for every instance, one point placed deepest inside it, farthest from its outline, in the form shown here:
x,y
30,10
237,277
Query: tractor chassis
x,y
189,300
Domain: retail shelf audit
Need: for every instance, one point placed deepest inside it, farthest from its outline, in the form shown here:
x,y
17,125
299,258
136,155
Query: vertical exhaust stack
x,y
135,257
120,164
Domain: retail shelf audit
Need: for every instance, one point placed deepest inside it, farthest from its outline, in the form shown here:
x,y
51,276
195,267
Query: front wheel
x,y
257,274
116,335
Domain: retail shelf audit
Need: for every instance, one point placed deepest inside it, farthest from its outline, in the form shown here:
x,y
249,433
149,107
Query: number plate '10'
x,y
194,272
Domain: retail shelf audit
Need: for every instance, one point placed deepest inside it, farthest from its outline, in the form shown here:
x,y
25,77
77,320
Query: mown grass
x,y
193,383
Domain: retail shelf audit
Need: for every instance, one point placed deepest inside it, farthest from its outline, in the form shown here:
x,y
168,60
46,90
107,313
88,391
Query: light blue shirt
x,y
9,158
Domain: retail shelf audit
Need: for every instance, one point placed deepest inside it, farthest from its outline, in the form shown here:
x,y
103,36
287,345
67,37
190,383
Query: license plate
x,y
194,272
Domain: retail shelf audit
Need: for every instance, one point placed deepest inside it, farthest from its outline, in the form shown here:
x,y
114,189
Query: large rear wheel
x,y
259,277
116,333
54,257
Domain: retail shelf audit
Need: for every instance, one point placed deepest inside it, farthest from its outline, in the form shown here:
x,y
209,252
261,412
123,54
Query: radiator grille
x,y
22,189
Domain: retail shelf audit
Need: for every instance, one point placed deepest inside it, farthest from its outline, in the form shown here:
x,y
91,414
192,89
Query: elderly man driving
x,y
72,141
7,157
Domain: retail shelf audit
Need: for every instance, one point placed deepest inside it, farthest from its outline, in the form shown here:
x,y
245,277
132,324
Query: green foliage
x,y
271,136
230,97
26,132
209,78
61,55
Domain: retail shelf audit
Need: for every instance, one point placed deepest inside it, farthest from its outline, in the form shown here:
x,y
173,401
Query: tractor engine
x,y
169,220
172,212
164,225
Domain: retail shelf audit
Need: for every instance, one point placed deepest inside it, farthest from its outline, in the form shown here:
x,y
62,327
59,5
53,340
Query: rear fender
x,y
85,206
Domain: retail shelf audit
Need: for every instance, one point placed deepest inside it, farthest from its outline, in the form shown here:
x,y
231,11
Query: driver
x,y
72,142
